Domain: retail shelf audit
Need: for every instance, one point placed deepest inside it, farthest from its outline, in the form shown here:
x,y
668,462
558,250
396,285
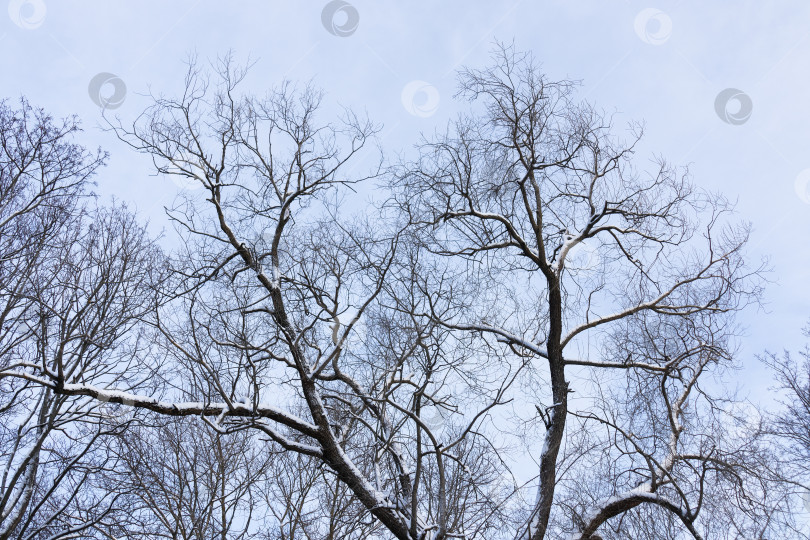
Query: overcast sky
x,y
721,86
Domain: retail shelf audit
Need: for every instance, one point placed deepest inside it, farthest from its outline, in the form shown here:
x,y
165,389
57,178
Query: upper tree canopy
x,y
527,293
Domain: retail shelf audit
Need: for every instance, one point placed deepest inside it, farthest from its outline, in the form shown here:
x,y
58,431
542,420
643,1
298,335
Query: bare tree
x,y
185,481
67,295
306,500
533,197
270,295
670,454
791,428
404,364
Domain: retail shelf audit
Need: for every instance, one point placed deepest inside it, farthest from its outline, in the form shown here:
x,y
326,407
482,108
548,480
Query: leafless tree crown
x,y
526,339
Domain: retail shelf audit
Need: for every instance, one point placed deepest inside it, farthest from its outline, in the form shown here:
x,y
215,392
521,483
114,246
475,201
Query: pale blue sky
x,y
666,72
